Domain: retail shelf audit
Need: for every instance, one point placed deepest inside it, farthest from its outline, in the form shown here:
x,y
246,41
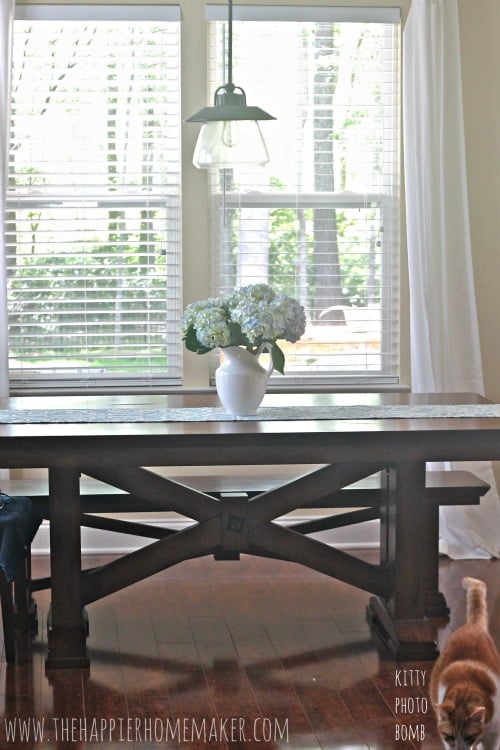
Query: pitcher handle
x,y
267,347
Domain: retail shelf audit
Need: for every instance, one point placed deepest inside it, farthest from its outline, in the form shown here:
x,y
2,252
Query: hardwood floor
x,y
255,654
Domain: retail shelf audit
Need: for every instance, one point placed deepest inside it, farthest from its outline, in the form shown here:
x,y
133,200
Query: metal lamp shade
x,y
230,134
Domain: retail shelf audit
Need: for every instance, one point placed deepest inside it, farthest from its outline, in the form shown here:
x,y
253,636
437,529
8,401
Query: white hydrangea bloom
x,y
212,329
248,317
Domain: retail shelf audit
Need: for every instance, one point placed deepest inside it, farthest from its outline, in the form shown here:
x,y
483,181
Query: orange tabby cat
x,y
465,681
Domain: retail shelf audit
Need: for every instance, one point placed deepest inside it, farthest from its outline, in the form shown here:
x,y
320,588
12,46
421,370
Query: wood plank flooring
x,y
250,654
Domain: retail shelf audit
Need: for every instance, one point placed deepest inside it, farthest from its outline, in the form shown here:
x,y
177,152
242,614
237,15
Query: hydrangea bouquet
x,y
249,317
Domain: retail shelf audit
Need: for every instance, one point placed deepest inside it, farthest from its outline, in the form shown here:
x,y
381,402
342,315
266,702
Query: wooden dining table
x,y
126,441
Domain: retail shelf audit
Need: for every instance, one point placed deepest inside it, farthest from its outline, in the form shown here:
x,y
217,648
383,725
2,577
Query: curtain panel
x,y
445,351
6,21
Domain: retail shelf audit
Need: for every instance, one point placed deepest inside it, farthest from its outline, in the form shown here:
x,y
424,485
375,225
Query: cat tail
x,y
477,610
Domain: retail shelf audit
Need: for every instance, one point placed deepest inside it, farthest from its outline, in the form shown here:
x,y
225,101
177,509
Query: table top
x,y
191,401
239,442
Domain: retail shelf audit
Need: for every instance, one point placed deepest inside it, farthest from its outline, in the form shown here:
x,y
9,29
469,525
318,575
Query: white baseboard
x,y
97,542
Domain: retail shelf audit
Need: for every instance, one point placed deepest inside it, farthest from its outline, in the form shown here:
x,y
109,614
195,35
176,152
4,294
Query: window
x,y
320,221
93,204
94,231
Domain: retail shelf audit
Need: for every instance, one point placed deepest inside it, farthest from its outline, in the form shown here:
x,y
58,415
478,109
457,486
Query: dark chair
x,y
19,522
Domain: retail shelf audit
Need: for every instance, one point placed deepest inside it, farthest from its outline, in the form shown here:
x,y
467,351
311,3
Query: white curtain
x,y
6,21
445,349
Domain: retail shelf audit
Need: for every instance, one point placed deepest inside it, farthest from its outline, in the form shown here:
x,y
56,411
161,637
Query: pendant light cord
x,y
230,45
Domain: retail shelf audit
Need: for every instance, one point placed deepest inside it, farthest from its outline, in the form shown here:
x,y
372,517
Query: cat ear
x,y
479,713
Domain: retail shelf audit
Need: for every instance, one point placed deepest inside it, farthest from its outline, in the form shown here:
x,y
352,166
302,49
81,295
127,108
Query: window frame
x,y
389,375
197,266
162,198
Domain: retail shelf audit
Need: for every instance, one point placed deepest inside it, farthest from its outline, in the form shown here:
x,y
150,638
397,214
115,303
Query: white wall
x,y
480,32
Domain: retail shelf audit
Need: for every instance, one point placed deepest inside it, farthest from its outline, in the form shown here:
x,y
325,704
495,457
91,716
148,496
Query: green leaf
x,y
237,336
278,359
192,343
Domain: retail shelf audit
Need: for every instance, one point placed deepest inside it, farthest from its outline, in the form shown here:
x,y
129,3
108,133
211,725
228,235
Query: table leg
x,y
67,629
434,601
400,619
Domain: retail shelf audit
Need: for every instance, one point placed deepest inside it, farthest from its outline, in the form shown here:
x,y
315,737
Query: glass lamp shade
x,y
227,143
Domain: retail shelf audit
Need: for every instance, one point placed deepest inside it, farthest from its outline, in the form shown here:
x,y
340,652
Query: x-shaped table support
x,y
229,526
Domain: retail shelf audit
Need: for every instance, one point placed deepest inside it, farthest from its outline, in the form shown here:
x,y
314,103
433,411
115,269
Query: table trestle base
x,y
227,526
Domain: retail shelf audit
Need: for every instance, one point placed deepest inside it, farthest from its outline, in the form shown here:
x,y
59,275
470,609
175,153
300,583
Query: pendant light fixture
x,y
230,134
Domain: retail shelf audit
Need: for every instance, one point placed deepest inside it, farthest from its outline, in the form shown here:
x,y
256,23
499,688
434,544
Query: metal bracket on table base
x,y
234,523
407,640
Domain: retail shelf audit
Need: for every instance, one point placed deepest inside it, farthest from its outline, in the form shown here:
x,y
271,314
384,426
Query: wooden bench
x,y
360,502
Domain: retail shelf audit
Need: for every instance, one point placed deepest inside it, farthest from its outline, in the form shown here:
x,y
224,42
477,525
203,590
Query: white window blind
x,y
93,205
320,220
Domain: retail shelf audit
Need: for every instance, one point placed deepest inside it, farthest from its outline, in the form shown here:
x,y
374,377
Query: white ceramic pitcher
x,y
241,381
